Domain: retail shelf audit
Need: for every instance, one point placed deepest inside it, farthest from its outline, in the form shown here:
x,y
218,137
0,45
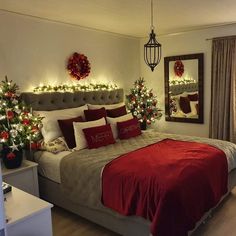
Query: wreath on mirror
x,y
179,68
78,66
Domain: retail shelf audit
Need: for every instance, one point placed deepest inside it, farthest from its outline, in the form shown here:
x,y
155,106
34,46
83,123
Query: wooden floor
x,y
223,222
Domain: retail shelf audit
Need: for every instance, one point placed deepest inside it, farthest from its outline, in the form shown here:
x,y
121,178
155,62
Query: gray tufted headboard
x,y
57,100
180,88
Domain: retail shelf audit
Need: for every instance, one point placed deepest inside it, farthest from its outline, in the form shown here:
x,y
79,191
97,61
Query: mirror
x,y
184,88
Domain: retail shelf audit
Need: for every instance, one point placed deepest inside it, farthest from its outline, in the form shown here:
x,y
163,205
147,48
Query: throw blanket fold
x,y
171,183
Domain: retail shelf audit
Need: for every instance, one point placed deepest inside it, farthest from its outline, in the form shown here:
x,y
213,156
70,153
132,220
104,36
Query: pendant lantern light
x,y
152,49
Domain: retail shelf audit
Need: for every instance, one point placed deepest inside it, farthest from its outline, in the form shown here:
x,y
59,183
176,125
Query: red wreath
x,y
179,68
78,66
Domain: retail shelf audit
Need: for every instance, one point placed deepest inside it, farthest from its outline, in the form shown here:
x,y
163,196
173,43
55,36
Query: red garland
x,y
179,68
78,66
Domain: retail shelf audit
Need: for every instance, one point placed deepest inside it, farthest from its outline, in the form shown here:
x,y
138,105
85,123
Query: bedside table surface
x,y
21,205
24,166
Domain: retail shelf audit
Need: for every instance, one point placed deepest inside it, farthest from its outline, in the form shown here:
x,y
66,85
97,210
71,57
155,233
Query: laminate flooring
x,y
222,223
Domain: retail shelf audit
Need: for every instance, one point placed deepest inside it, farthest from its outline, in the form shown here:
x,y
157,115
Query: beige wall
x,y
187,43
34,51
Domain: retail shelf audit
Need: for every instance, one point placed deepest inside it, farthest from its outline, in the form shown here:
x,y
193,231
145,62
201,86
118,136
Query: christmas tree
x,y
18,126
143,103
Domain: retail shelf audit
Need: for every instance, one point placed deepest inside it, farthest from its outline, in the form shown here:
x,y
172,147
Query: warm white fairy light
x,y
75,87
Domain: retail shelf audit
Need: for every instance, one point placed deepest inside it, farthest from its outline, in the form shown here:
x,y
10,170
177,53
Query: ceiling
x,y
130,17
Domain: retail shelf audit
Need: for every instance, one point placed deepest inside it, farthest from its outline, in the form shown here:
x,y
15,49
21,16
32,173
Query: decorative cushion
x,y
79,134
99,136
116,112
185,104
193,105
197,108
111,106
95,114
67,130
55,146
51,129
129,128
113,122
193,97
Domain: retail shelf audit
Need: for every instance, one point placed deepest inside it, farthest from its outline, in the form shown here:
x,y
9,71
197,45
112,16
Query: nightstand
x,y
25,177
27,215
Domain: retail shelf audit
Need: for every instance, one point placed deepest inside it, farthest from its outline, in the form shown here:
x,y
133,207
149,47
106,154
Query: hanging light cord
x,y
152,26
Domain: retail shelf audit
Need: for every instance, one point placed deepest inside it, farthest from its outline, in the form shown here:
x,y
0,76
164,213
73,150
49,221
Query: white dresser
x,y
27,215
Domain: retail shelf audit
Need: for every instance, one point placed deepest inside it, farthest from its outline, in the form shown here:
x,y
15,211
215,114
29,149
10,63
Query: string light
x,y
75,87
182,81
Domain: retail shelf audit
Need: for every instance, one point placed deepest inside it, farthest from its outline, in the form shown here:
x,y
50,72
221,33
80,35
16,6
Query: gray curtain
x,y
223,90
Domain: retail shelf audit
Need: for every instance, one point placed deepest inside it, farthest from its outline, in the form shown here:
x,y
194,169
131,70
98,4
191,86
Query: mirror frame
x,y
199,57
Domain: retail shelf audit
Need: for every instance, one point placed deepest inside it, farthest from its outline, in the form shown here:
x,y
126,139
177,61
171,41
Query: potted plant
x,y
18,126
143,104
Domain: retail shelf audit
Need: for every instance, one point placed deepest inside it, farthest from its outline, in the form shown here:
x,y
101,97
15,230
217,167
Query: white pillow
x,y
79,134
51,129
193,107
113,122
111,106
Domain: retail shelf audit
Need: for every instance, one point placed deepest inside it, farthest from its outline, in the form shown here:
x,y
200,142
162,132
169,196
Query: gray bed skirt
x,y
127,226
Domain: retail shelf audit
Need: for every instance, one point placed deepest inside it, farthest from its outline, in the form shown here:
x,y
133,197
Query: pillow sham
x,y
79,134
55,146
99,136
116,112
193,105
51,129
128,129
113,122
95,114
185,104
193,97
67,130
110,106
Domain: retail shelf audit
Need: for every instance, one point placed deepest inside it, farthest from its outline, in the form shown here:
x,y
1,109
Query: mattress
x,y
49,164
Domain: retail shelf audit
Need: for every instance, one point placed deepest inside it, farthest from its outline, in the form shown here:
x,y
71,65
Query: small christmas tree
x,y
18,126
143,103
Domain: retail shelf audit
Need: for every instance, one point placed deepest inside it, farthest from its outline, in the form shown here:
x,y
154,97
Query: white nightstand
x,y
27,215
25,177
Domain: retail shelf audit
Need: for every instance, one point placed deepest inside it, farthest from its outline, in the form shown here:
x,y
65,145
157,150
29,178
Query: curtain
x,y
223,89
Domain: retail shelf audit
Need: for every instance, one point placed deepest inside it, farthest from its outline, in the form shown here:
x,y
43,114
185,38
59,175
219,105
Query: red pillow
x,y
99,136
95,114
116,112
184,104
197,108
193,97
128,128
67,130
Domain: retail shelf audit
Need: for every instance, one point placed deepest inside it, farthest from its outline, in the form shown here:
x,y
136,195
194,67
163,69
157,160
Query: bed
x,y
177,106
50,182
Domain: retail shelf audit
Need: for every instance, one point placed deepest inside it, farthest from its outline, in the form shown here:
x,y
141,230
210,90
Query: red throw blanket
x,y
171,183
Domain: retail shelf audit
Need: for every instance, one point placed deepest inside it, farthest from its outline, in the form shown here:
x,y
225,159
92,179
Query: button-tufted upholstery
x,y
180,88
58,100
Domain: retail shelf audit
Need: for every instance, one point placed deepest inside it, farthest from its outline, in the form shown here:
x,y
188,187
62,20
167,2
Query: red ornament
x,y
35,145
11,156
35,129
78,66
25,122
4,135
179,68
9,94
10,115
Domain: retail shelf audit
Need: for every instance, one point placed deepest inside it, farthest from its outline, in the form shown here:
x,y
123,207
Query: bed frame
x,y
51,191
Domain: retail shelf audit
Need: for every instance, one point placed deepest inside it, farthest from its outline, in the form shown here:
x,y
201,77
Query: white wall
x,y
187,43
34,51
